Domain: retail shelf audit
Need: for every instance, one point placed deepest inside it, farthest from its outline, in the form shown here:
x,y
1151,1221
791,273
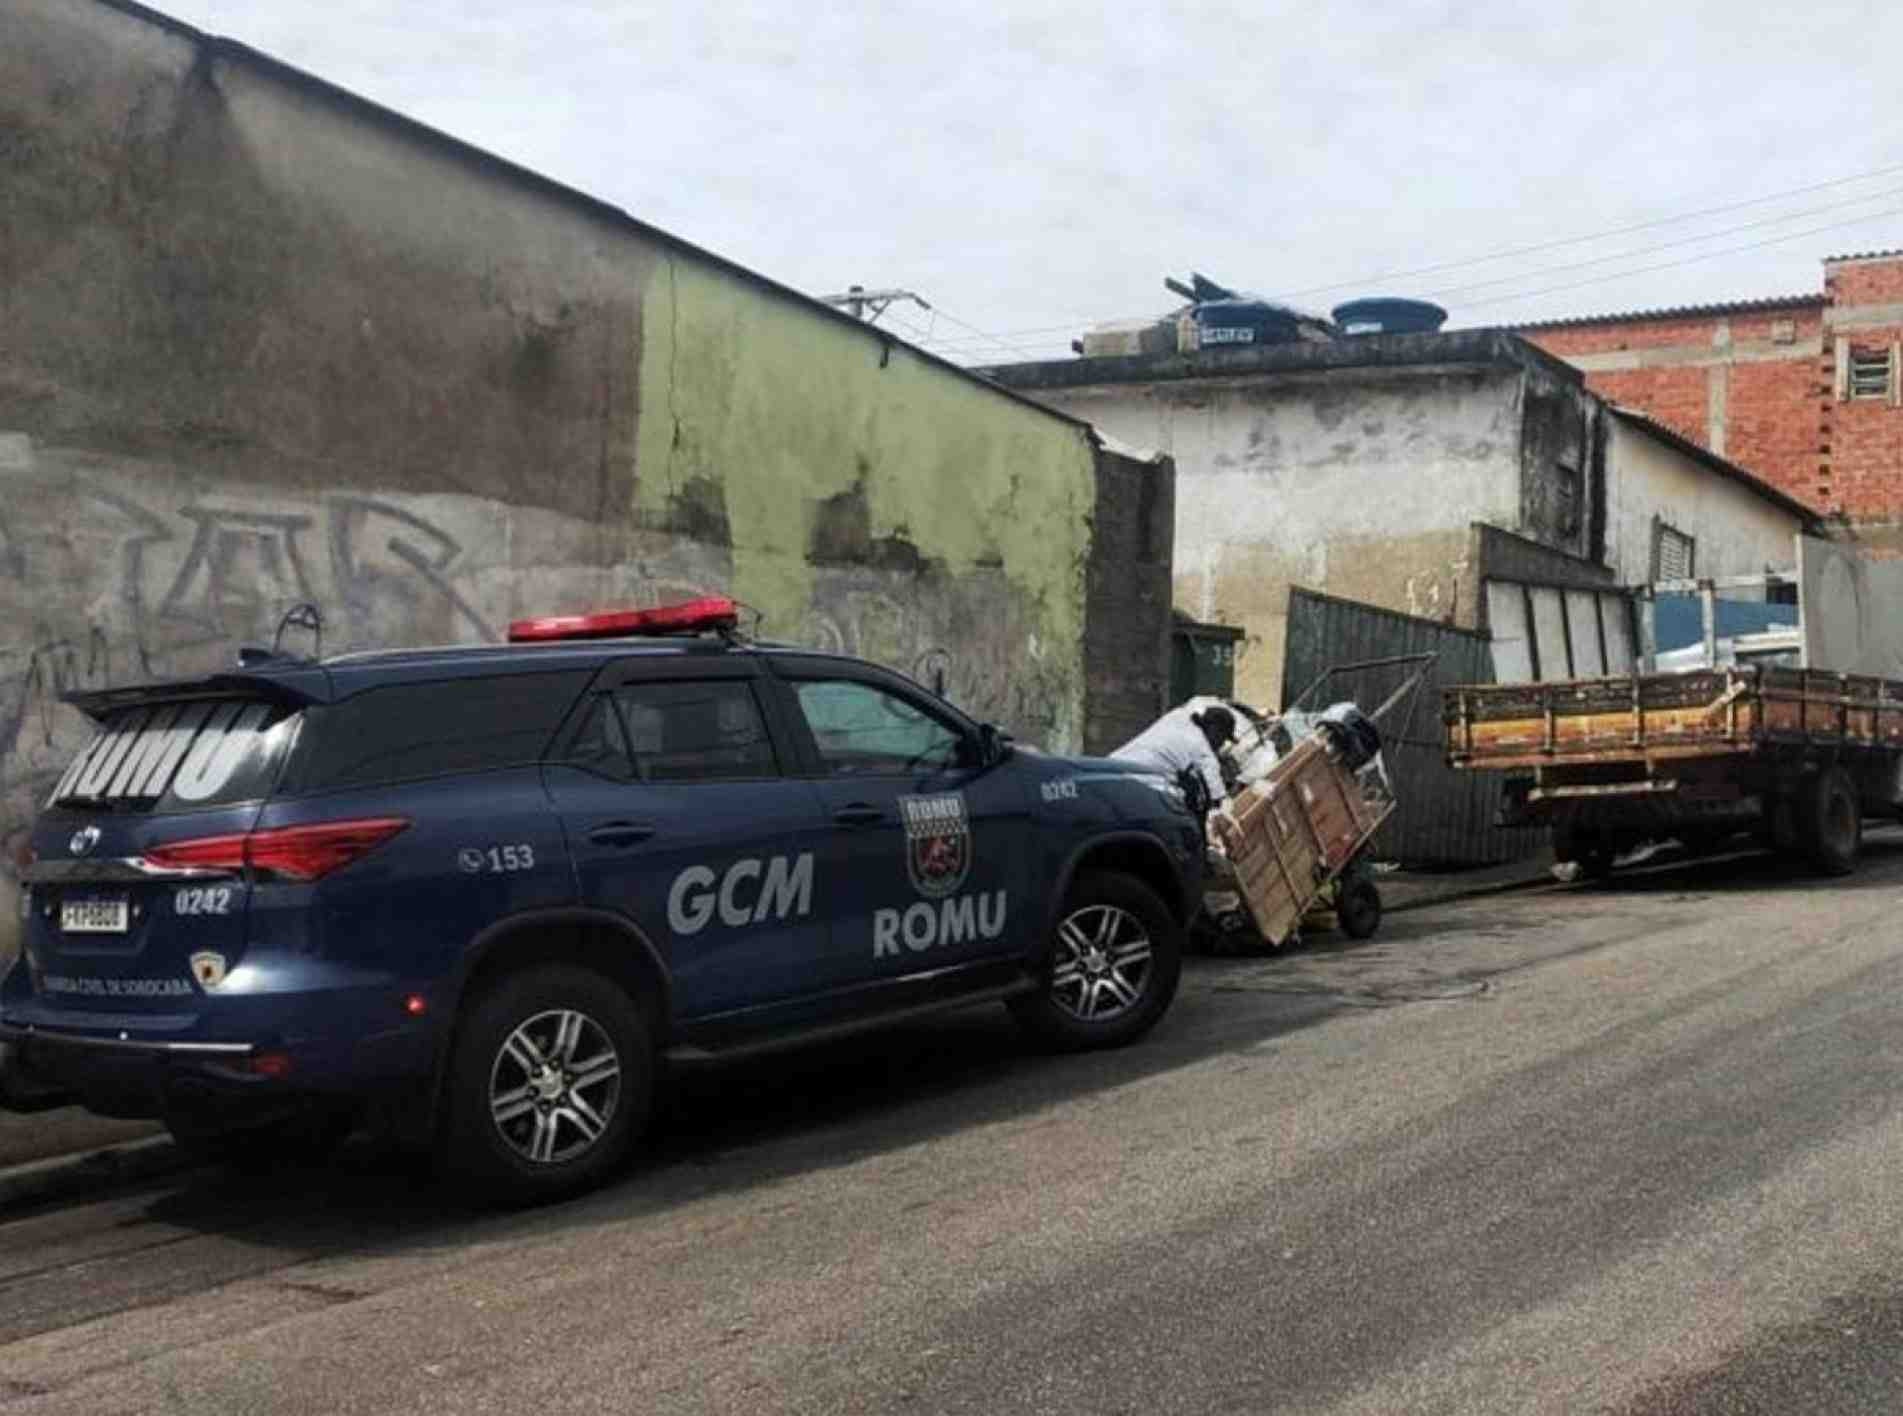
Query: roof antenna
x,y
304,615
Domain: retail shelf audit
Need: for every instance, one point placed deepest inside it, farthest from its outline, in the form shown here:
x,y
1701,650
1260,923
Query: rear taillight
x,y
286,852
205,853
306,852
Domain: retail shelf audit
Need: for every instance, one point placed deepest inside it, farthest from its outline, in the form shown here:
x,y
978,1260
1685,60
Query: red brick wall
x,y
1875,282
1782,417
1676,397
1866,453
1771,404
1772,413
1864,437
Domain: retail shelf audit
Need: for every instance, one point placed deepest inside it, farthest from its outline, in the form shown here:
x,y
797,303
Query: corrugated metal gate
x,y
1444,817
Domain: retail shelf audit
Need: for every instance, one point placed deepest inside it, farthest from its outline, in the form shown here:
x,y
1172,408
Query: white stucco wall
x,y
1737,531
1361,487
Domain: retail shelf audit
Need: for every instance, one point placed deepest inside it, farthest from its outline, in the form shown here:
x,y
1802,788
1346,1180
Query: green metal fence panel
x,y
1444,817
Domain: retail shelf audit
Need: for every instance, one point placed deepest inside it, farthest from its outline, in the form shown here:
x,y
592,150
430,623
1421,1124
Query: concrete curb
x,y
81,1174
1473,892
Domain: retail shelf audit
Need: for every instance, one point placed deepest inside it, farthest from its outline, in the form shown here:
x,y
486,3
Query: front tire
x,y
1114,963
550,1082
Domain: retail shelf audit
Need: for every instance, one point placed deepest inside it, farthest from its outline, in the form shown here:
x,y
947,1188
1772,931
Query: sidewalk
x,y
67,1131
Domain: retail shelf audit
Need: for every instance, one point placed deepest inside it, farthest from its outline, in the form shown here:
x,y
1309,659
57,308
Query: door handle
x,y
859,814
621,833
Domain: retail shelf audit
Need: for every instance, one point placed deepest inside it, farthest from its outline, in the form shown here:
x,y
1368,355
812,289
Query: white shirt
x,y
1172,743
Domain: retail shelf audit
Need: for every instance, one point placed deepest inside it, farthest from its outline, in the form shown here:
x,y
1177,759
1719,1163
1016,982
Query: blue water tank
x,y
1389,316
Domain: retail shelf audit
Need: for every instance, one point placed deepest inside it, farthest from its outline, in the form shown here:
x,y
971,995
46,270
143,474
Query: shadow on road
x,y
1748,869
749,1125
731,1128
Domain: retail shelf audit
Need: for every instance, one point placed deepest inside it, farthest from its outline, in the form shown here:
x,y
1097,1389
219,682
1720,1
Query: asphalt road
x,y
1630,1147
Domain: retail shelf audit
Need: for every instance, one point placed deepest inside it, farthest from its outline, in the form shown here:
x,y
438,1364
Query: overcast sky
x,y
1033,169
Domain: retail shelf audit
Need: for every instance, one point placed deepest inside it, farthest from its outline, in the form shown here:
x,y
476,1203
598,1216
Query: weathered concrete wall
x,y
1737,531
262,343
1562,465
1126,663
1361,483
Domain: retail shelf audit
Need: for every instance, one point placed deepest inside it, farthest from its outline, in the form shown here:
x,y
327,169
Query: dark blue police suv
x,y
476,897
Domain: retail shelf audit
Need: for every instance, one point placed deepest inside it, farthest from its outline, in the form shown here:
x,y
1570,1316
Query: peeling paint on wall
x,y
166,579
265,344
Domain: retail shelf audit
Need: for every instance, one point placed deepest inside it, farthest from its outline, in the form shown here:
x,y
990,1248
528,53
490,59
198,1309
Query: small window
x,y
863,731
703,731
1869,373
410,730
1674,554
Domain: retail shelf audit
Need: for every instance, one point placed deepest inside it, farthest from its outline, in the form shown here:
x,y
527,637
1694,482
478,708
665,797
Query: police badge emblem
x,y
208,967
937,843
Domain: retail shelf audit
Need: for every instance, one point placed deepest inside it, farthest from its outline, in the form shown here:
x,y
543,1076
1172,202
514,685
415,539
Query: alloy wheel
x,y
554,1086
1102,963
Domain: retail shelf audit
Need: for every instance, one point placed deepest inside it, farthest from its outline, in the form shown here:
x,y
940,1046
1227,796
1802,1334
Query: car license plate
x,y
93,916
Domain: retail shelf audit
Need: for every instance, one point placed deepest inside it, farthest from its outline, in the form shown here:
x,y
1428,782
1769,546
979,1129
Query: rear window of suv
x,y
404,731
179,756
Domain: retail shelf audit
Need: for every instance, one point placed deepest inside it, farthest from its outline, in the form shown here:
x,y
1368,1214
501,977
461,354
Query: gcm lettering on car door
x,y
750,891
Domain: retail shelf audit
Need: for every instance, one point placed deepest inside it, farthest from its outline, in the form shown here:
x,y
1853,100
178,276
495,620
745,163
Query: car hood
x,y
1130,790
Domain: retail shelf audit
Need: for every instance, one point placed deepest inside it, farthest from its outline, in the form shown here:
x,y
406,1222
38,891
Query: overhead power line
x,y
985,335
1689,260
974,340
1666,245
1536,248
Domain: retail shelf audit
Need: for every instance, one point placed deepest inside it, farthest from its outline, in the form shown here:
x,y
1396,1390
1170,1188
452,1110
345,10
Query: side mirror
x,y
994,745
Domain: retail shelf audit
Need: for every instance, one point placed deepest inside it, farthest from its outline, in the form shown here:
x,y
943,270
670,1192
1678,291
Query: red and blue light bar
x,y
712,612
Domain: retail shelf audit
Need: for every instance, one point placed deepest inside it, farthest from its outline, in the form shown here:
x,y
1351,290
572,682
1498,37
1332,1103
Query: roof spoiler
x,y
289,682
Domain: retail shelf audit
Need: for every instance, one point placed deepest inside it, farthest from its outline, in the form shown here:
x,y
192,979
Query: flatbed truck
x,y
1799,757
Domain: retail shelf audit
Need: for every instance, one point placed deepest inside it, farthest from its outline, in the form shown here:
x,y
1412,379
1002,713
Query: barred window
x,y
1674,554
1869,373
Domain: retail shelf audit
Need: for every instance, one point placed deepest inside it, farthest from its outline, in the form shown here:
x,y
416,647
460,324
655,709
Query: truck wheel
x,y
306,1138
1358,907
1112,970
1830,822
549,1083
1590,851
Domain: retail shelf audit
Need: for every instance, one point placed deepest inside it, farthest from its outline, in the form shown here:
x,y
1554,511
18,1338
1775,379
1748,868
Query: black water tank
x,y
1387,316
1222,322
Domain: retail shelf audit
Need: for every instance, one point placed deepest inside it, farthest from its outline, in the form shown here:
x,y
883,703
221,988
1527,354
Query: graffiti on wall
x,y
118,572
100,587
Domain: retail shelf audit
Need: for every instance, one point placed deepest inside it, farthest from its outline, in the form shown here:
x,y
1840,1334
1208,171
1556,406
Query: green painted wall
x,y
787,412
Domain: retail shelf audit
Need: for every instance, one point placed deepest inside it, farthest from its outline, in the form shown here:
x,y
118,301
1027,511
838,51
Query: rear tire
x,y
1111,969
550,1081
1830,821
